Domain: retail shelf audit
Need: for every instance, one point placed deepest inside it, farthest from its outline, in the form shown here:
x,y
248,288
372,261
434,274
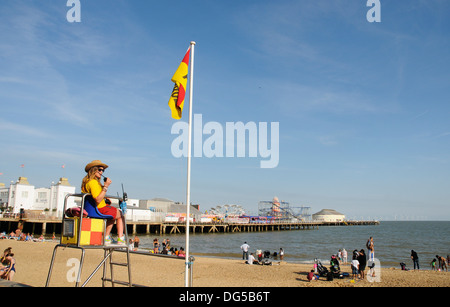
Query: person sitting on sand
x,y
312,276
5,253
252,260
10,269
181,253
3,260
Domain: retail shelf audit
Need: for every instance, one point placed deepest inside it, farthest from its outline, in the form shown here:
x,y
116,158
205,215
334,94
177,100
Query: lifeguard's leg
x,y
109,226
119,224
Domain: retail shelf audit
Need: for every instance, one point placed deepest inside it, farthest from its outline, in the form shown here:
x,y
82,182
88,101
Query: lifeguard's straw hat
x,y
95,163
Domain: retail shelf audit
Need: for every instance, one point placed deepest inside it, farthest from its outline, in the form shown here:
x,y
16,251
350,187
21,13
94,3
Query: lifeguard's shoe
x,y
121,240
109,240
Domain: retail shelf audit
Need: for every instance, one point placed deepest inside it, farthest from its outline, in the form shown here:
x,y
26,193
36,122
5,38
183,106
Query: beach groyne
x,y
53,226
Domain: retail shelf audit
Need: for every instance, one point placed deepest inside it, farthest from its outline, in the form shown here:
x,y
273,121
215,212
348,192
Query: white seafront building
x,y
21,195
328,215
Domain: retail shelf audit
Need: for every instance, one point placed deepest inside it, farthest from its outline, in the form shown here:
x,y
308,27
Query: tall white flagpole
x,y
188,188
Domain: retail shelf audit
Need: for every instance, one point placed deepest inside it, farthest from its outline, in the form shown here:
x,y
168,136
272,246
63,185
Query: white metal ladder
x,y
108,254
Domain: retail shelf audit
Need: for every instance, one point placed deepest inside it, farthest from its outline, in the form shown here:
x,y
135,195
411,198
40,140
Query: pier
x,y
53,226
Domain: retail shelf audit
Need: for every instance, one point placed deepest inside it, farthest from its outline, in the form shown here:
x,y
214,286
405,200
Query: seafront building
x,y
22,196
328,215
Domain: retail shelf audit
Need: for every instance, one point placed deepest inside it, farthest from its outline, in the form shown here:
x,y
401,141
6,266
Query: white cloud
x,y
22,130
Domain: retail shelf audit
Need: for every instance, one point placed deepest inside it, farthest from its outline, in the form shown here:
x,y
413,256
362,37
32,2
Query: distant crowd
x,y
262,258
18,235
359,260
163,247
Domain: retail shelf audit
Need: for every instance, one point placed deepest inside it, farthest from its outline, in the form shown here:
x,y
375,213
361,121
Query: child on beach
x,y
312,276
355,267
433,265
281,253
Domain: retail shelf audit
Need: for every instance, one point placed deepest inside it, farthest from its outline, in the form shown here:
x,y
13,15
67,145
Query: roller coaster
x,y
282,210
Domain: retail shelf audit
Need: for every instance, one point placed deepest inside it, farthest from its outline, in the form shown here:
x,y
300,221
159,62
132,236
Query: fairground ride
x,y
282,210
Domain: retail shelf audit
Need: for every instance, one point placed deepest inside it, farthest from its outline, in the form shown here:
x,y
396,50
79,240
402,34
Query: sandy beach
x,y
33,260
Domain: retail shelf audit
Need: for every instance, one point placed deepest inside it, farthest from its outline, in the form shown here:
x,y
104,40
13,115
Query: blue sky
x,y
363,107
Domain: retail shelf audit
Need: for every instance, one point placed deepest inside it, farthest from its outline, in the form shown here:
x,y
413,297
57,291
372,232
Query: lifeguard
x,y
91,184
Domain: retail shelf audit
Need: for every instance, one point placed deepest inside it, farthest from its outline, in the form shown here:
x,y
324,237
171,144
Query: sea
x,y
393,242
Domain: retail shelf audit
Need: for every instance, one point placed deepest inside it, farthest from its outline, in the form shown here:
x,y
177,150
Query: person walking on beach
x,y
91,184
370,248
245,247
344,256
442,263
281,253
415,259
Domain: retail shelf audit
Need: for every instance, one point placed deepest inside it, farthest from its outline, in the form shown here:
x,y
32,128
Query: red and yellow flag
x,y
176,101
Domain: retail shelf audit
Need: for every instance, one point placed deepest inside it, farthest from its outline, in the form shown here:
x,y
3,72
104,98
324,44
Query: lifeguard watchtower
x,y
86,230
